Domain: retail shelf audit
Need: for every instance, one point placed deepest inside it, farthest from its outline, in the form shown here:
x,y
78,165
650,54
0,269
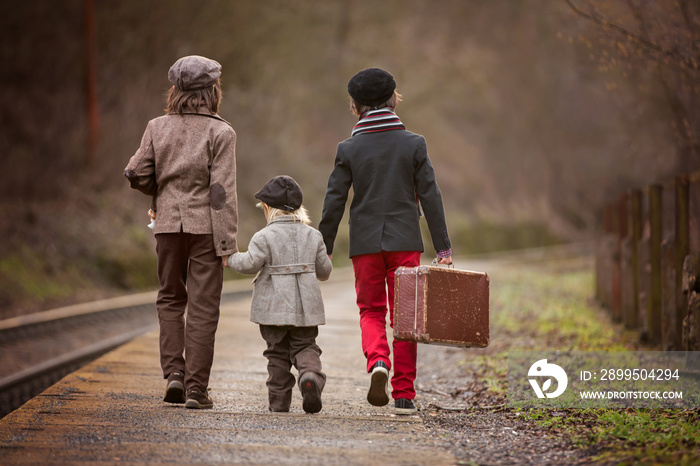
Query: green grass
x,y
549,306
26,273
485,236
627,436
554,305
35,278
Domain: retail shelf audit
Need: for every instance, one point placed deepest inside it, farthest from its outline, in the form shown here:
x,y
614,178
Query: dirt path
x,y
110,411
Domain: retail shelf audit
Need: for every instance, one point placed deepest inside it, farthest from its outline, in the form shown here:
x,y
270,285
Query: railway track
x,y
37,350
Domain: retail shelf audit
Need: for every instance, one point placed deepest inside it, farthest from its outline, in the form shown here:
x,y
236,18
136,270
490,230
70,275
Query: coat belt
x,y
291,269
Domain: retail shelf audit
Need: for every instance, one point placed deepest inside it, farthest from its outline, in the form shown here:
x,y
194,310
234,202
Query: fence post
x,y
604,253
624,262
691,268
694,213
654,310
620,230
610,257
630,256
682,247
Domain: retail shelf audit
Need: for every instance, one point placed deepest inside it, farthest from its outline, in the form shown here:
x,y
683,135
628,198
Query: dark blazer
x,y
389,172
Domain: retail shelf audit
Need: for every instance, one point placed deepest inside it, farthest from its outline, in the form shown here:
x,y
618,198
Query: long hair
x,y
358,109
300,215
179,101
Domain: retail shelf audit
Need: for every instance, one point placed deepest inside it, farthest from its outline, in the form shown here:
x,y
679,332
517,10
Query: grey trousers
x,y
289,346
190,276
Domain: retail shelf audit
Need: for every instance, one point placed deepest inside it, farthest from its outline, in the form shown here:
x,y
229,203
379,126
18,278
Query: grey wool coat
x,y
188,162
289,258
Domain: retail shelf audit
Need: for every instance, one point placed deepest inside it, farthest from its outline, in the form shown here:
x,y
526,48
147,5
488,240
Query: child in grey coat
x,y
289,258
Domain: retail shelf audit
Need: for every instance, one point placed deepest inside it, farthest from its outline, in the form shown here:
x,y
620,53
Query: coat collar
x,y
201,110
282,219
204,111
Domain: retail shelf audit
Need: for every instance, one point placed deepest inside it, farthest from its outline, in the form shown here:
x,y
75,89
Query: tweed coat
x,y
289,258
188,162
389,173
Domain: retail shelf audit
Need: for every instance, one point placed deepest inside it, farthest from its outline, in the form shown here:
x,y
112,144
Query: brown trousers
x,y
190,276
287,346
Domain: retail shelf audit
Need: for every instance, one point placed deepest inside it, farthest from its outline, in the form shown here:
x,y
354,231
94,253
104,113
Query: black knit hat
x,y
281,192
371,87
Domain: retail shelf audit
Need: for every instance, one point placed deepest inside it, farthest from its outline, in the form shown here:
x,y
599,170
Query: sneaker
x,y
311,394
377,395
404,406
198,400
175,388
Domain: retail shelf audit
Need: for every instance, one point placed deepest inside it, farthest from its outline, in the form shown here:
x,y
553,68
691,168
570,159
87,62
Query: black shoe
x,y
404,406
377,386
198,400
175,388
311,394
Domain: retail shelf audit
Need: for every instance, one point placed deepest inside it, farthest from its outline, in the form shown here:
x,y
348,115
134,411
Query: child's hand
x,y
224,259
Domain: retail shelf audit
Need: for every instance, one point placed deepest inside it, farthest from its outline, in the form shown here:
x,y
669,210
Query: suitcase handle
x,y
436,263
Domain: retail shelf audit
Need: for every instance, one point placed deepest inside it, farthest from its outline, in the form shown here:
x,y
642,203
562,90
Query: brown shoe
x,y
311,394
198,400
175,388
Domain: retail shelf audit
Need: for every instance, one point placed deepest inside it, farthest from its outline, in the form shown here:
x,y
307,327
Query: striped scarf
x,y
374,121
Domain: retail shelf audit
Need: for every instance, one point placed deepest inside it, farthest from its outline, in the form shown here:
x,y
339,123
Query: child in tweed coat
x,y
289,257
187,159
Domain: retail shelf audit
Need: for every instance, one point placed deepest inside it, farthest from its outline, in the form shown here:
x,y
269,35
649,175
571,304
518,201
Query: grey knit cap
x,y
194,72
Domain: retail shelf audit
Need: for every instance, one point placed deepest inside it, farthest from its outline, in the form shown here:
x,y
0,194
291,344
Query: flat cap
x,y
281,192
194,72
372,86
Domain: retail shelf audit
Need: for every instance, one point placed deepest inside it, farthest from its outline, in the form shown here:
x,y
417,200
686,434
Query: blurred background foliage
x,y
535,113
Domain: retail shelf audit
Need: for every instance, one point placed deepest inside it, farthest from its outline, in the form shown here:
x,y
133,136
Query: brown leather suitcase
x,y
442,306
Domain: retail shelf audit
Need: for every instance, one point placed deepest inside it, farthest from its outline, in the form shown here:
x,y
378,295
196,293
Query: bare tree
x,y
659,36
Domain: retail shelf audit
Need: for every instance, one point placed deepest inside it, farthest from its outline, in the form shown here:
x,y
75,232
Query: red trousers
x,y
374,276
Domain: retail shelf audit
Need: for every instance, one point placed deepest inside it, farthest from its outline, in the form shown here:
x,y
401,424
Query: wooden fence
x,y
647,236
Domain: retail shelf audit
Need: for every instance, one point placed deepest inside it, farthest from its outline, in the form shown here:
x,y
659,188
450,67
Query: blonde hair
x,y
300,215
209,97
358,109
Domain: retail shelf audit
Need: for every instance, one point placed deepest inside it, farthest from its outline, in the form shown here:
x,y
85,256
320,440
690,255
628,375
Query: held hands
x,y
224,259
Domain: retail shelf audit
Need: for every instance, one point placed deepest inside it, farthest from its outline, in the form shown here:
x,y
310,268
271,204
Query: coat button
x,y
223,241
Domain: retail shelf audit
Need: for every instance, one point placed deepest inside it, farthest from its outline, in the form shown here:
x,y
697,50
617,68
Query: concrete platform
x,y
111,410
